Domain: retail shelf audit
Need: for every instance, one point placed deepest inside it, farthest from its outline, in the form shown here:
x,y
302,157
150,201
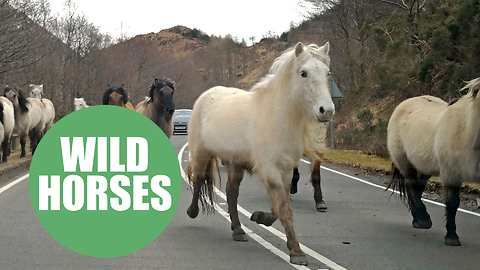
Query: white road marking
x,y
18,180
274,231
378,186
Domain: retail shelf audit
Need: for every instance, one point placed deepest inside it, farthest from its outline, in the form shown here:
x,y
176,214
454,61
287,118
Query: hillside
x,y
188,56
382,53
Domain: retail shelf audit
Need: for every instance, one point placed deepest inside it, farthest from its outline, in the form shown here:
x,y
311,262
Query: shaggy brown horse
x,y
159,107
117,96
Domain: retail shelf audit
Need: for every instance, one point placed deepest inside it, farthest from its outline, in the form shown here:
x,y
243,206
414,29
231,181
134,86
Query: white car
x,y
180,119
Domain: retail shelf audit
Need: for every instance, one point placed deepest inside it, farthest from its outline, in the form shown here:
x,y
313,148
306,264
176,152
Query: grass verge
x,y
374,163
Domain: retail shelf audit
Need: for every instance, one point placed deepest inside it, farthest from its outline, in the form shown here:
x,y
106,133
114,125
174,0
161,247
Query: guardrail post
x,y
14,141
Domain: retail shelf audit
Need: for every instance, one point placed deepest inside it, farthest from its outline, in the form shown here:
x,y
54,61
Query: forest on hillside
x,y
382,51
386,51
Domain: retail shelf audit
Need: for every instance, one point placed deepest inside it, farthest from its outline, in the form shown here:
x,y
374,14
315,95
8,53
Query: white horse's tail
x,y
397,183
314,137
207,192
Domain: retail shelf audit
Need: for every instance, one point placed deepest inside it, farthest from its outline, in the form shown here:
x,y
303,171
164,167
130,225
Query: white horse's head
x,y
307,69
79,103
36,91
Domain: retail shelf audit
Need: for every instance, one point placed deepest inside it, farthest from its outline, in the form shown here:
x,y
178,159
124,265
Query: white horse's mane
x,y
314,133
284,63
473,86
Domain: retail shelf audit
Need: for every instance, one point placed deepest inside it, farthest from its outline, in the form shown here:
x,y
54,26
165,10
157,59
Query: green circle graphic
x,y
123,227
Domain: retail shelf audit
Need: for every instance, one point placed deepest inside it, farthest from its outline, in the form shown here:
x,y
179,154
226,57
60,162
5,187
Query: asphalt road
x,y
363,228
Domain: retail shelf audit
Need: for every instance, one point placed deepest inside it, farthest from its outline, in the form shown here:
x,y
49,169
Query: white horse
x,y
426,137
29,118
7,124
36,91
79,103
261,131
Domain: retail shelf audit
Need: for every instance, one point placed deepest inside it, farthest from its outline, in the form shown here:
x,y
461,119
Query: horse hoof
x,y
452,242
263,218
293,189
240,237
192,212
321,206
298,259
422,224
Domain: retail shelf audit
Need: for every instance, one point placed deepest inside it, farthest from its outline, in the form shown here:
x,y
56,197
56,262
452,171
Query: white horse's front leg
x,y
280,196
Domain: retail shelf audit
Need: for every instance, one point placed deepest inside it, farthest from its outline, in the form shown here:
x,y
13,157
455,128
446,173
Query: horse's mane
x,y
283,64
120,90
22,100
281,68
285,61
159,84
473,87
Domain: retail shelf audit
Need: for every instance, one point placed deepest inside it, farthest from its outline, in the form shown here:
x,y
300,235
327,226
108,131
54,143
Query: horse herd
x,y
158,106
267,130
34,115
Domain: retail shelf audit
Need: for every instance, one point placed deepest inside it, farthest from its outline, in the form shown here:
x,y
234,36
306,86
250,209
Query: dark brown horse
x,y
160,107
117,96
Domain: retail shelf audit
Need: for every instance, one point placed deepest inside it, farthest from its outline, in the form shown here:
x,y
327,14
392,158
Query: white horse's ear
x,y
41,88
298,49
325,48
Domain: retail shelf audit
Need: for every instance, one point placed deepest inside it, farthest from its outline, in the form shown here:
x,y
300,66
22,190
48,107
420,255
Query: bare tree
x,y
412,7
18,35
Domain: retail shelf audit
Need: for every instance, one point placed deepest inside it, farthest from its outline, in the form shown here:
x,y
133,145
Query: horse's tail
x,y
397,183
207,190
1,112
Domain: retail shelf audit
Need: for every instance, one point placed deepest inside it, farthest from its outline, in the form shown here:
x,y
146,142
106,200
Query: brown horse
x,y
428,136
117,96
159,107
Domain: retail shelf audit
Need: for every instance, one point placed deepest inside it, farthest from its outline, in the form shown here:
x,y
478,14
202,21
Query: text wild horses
x,y
261,131
426,137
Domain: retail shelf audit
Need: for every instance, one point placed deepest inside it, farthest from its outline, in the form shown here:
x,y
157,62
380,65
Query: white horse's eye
x,y
303,73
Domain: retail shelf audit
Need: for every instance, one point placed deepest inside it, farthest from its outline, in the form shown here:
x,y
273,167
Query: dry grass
x,y
357,159
370,163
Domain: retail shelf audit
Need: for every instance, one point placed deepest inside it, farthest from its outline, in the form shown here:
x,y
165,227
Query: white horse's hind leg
x,y
235,176
201,173
316,180
6,148
23,142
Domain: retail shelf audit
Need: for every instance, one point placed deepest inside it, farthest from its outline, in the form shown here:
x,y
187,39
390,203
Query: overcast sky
x,y
241,19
